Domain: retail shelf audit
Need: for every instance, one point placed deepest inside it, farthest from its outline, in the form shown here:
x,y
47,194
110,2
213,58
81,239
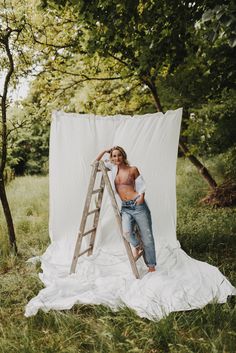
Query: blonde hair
x,y
122,151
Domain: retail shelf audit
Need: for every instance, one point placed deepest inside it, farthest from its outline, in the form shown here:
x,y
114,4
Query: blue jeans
x,y
132,214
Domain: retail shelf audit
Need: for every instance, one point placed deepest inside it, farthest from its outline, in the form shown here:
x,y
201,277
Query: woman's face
x,y
117,157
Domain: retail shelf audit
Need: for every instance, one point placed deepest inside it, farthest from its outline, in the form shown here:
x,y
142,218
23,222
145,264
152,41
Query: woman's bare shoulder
x,y
135,171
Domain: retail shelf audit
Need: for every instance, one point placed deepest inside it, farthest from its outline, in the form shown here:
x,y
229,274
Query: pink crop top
x,y
129,181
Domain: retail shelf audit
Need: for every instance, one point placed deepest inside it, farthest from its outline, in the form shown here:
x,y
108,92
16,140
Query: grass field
x,y
206,234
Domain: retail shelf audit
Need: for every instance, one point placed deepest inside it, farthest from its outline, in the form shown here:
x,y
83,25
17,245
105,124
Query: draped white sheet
x,y
180,282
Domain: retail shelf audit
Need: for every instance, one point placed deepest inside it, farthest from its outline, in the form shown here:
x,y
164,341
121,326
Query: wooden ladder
x,y
99,166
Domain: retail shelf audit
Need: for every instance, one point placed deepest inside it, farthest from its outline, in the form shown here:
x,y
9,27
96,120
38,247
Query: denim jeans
x,y
139,214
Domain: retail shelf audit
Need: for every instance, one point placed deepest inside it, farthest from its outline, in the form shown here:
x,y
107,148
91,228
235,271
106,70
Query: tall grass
x,y
28,199
206,234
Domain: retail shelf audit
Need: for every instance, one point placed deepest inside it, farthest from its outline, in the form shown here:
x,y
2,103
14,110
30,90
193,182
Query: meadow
x,y
205,233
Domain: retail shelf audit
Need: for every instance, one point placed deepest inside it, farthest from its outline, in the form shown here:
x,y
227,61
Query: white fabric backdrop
x,y
180,282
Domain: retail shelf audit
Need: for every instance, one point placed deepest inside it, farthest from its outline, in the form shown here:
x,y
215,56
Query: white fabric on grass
x,y
180,282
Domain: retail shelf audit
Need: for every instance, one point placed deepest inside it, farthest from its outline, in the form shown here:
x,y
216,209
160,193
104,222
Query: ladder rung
x,y
93,211
84,252
139,255
97,190
89,231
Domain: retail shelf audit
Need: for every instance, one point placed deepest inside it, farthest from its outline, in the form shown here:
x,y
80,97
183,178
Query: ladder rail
x,y
84,217
96,216
99,166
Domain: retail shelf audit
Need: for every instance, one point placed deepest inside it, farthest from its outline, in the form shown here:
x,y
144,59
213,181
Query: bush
x,y
29,148
211,129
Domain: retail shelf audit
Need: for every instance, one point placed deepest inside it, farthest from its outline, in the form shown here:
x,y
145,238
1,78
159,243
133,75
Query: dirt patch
x,y
224,195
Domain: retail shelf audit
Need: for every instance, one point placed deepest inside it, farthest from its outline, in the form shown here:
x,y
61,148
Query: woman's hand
x,y
140,200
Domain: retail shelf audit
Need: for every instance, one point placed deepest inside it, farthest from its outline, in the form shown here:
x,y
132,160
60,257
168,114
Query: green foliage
x,y
126,41
222,22
28,141
230,162
31,150
140,43
103,57
137,33
212,129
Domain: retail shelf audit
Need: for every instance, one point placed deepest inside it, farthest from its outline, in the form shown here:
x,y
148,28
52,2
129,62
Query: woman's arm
x,y
141,181
140,199
107,162
101,154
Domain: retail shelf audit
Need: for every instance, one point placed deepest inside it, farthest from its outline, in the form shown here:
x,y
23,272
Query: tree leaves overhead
x,y
146,36
105,56
222,22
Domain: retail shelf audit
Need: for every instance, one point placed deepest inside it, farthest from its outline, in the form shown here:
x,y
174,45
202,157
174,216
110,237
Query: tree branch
x,y
90,78
118,59
71,45
17,126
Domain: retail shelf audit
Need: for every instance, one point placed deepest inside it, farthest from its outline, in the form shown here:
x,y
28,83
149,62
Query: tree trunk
x,y
200,167
3,196
7,214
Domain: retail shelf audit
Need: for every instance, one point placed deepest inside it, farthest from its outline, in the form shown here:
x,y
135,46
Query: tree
x,y
148,38
16,58
22,26
5,36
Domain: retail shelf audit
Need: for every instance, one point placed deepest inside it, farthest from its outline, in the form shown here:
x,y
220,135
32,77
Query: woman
x,y
129,184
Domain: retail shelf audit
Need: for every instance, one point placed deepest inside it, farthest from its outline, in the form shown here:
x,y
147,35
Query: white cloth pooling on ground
x,y
180,282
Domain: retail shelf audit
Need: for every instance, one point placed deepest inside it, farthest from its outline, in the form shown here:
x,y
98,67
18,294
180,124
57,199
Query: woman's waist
x,y
130,201
128,195
125,187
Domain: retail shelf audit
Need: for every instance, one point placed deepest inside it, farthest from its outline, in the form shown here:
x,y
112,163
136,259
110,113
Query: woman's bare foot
x,y
151,269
